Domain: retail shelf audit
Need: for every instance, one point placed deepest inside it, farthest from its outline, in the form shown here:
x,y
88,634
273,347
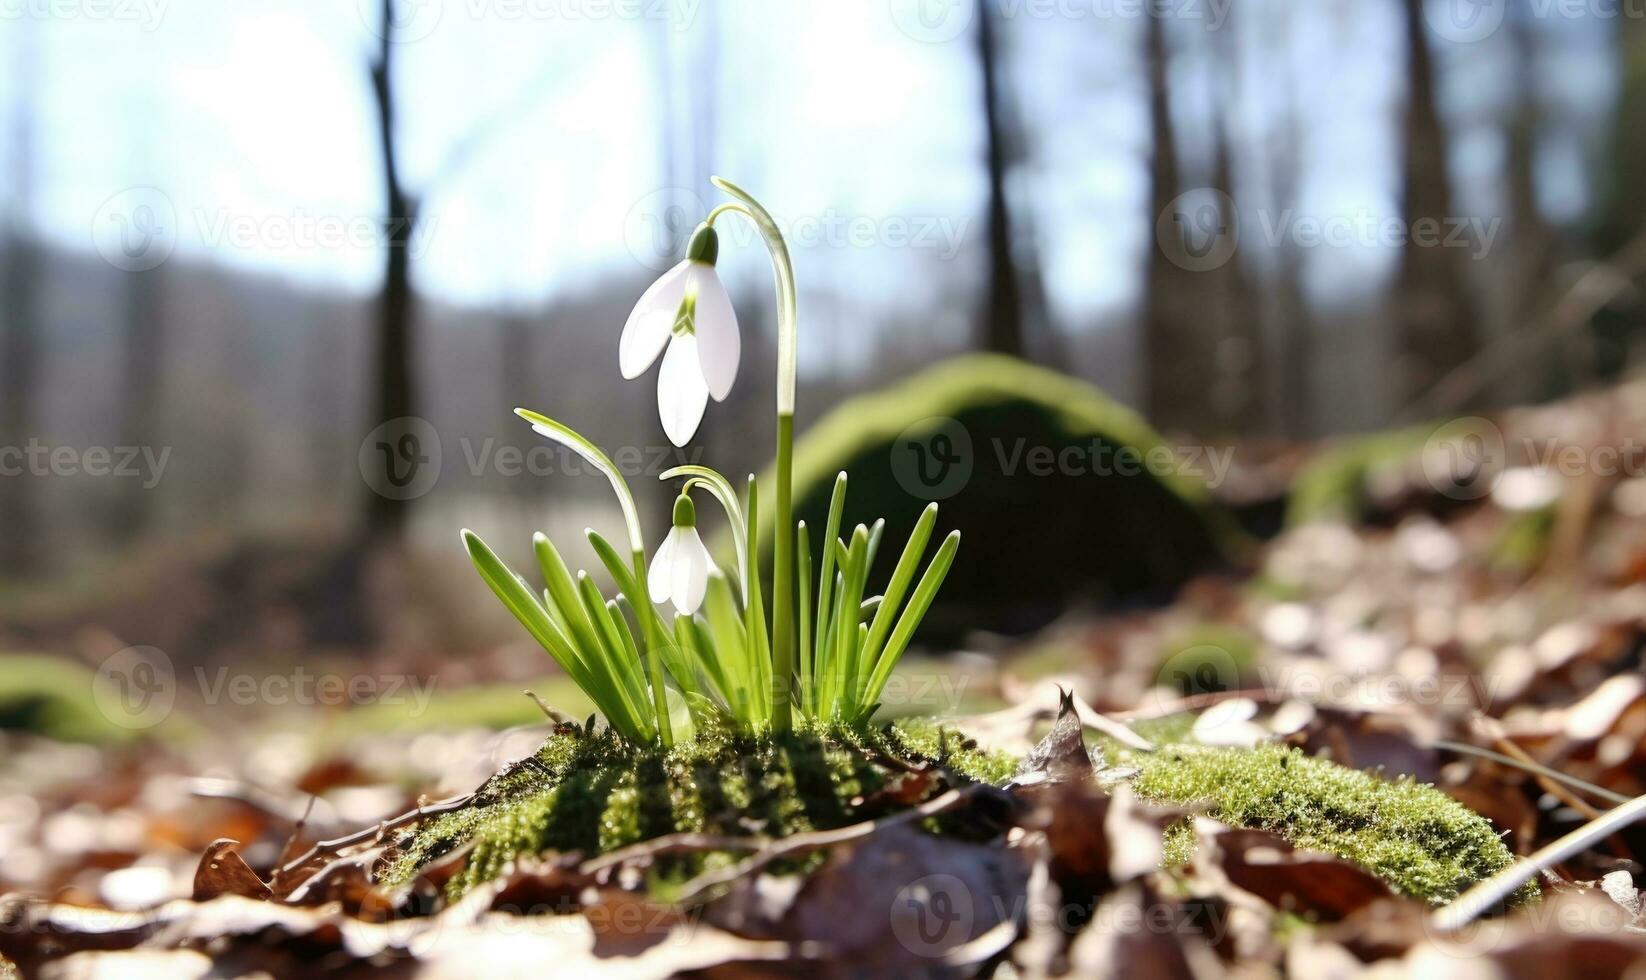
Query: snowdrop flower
x,y
680,569
688,313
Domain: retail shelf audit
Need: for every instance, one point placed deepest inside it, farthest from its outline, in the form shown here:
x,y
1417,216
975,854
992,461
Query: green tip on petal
x,y
685,513
704,246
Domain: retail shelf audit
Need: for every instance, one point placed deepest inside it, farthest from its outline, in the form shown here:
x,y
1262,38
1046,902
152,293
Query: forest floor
x,y
1484,635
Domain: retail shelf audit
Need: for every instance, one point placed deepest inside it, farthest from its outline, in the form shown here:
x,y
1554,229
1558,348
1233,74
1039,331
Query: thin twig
x,y
818,839
1600,285
1494,731
375,832
1490,893
1531,767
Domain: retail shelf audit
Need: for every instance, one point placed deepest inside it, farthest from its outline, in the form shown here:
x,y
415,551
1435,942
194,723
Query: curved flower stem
x,y
783,524
569,437
654,663
721,488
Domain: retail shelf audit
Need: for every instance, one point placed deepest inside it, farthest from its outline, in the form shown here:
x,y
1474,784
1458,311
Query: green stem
x,y
654,658
783,543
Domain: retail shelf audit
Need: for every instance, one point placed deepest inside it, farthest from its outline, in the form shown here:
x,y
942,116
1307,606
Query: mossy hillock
x,y
1019,457
593,793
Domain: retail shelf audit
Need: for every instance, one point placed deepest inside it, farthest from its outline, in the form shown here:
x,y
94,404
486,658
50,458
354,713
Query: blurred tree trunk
x,y
1531,258
392,385
141,398
1002,327
1295,327
1286,310
1176,364
516,386
1241,357
1621,205
21,551
1436,327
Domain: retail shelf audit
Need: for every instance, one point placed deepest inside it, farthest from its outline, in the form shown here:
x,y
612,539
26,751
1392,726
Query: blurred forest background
x,y
242,237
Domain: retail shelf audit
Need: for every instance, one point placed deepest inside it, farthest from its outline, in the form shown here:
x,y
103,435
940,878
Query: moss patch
x,y
53,697
1332,487
988,435
594,793
1421,841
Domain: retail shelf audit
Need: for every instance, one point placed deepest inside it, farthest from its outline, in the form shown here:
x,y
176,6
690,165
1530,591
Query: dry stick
x,y
296,832
1494,731
1535,768
1490,893
375,833
818,839
1593,291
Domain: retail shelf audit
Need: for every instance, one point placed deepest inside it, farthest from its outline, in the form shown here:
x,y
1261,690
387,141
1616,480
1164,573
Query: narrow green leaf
x,y
609,649
907,623
913,550
573,440
825,578
803,584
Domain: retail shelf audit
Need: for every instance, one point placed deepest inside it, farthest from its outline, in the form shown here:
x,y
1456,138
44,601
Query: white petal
x,y
720,346
691,571
681,392
647,329
661,575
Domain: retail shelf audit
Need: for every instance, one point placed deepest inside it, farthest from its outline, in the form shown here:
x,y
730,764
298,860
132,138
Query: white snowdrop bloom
x,y
687,317
681,568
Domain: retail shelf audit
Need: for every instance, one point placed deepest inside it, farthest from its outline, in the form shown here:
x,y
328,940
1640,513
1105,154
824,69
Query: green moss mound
x,y
1420,841
54,697
595,793
1333,486
1098,504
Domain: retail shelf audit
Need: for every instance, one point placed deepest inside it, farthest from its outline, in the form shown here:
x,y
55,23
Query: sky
x,y
856,120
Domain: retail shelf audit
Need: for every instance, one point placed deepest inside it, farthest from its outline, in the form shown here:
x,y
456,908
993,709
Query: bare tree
x,y
1531,240
1241,357
394,397
1176,362
392,385
1436,327
1015,299
20,545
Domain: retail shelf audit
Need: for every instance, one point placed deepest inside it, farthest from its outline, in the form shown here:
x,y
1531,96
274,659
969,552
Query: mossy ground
x,y
594,793
1416,838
